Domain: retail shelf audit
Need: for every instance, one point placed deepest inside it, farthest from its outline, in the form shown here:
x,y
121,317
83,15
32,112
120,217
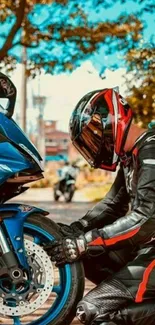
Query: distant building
x,y
58,146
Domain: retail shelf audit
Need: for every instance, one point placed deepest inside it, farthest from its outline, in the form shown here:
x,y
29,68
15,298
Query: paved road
x,y
62,212
59,211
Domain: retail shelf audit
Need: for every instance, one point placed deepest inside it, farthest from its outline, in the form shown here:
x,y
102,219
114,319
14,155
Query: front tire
x,y
47,295
69,193
56,197
55,189
74,271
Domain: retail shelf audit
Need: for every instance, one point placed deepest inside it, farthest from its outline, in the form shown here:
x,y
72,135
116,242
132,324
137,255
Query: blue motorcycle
x,y
33,290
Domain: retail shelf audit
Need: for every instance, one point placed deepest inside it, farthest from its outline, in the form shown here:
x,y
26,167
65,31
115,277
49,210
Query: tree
x,y
58,34
141,88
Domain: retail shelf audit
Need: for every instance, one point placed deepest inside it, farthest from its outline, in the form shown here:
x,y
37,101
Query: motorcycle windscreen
x,y
15,134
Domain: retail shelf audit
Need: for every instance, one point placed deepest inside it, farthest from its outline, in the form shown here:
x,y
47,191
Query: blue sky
x,y
59,104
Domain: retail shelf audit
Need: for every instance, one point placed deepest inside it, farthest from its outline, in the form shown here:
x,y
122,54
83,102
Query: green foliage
x,y
58,34
142,90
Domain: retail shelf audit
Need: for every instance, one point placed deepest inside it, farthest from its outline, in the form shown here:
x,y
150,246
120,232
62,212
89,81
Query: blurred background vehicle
x,y
66,184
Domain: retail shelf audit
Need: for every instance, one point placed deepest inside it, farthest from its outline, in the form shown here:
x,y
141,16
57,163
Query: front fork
x,y
9,263
8,255
12,235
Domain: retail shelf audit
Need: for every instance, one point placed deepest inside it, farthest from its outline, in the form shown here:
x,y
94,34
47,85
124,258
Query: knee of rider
x,y
86,312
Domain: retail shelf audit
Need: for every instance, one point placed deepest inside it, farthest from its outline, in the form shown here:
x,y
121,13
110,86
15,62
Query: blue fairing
x,y
15,134
14,226
11,161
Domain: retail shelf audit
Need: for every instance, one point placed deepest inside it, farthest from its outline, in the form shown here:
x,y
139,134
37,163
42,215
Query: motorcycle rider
x,y
64,172
116,243
62,176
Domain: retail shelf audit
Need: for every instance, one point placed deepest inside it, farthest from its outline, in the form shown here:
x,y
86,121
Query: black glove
x,y
74,229
71,249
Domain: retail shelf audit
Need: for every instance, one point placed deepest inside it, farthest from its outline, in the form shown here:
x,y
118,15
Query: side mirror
x,y
8,94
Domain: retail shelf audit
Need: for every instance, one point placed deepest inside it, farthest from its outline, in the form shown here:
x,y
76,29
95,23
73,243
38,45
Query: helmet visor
x,y
95,142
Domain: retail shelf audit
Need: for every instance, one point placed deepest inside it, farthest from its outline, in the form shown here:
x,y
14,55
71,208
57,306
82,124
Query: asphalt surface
x,y
64,212
59,211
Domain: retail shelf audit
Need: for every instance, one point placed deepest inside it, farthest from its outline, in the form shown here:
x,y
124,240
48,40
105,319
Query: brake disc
x,y
40,287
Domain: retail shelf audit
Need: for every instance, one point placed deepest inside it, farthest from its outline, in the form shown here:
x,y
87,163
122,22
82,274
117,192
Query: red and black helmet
x,y
98,127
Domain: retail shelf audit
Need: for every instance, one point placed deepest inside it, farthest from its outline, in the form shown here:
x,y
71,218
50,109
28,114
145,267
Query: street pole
x,y
39,101
41,130
41,137
24,90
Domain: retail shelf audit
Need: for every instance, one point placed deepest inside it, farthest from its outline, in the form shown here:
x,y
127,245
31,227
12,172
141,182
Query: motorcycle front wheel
x,y
52,293
55,195
68,195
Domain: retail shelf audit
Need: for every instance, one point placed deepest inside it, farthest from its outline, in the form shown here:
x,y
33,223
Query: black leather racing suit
x,y
125,296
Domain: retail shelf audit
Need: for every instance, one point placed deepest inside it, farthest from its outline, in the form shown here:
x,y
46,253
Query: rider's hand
x,y
76,229
70,249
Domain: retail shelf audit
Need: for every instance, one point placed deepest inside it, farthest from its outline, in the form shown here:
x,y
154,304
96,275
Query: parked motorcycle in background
x,y
66,184
32,289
